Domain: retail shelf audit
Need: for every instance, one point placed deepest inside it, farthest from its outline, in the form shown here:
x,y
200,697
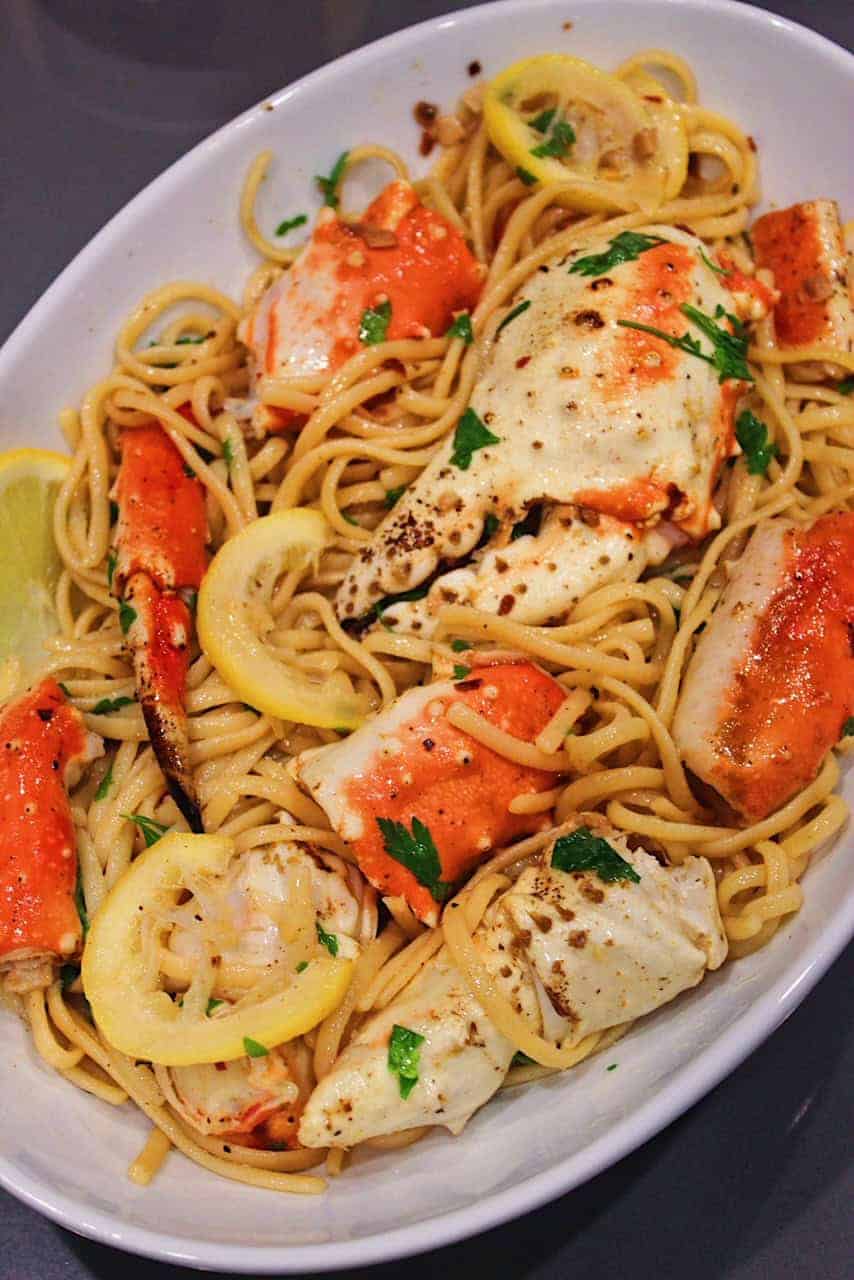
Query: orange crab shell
x,y
41,734
460,789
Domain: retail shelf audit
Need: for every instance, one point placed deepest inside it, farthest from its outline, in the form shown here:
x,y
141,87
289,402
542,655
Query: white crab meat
x,y
572,954
804,247
771,681
609,429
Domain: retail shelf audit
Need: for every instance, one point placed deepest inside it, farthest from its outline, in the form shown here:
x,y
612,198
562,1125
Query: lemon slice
x,y
29,561
619,158
232,601
142,1020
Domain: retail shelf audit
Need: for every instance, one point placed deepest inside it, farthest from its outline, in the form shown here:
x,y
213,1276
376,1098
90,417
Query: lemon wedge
x,y
231,602
612,154
142,1020
29,561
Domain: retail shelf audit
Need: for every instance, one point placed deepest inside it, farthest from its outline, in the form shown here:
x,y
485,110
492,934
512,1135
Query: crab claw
x,y
411,778
43,744
160,552
401,255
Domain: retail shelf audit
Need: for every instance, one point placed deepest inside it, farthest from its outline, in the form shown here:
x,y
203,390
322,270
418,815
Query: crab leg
x,y
160,554
771,683
43,744
411,778
401,257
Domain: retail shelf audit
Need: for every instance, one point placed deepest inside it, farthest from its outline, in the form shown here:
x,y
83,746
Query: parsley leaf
x,y
521,1059
105,784
416,852
403,597
106,705
460,646
719,271
328,940
511,315
625,247
461,672
228,452
329,186
491,525
729,350
290,223
848,728
461,328
127,615
151,830
111,567
374,324
613,1066
752,435
846,386
542,122
470,435
212,1004
302,966
253,1048
393,496
403,1057
558,142
582,851
525,176
80,904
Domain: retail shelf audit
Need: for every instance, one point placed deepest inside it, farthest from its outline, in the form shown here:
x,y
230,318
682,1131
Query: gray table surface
x,y
757,1181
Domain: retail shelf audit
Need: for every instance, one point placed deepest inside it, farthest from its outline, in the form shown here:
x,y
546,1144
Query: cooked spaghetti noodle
x,y
371,427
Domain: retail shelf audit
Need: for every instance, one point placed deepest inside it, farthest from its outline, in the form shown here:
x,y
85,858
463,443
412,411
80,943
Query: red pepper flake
x,y
507,603
522,361
751,142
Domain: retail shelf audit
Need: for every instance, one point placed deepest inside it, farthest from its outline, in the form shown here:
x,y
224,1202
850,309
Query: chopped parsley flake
x,y
491,525
625,247
151,830
302,966
212,1004
64,688
328,940
729,350
461,328
189,340
107,705
542,123
417,852
558,143
846,386
848,728
80,903
114,512
403,597
403,1057
583,851
105,784
290,224
111,567
752,435
329,186
393,496
521,1059
511,315
470,435
460,646
68,973
524,175
719,271
189,472
613,1067
228,452
461,672
253,1048
127,615
374,324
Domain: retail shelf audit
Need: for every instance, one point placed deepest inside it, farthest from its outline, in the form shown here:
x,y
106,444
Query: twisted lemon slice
x,y
142,1020
233,603
558,119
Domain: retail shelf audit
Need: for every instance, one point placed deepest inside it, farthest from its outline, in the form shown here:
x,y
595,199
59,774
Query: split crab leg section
x,y
43,747
591,936
592,445
160,560
771,681
401,271
419,800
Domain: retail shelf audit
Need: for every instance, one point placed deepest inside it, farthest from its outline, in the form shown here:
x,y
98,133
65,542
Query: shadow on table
x,y
648,1214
